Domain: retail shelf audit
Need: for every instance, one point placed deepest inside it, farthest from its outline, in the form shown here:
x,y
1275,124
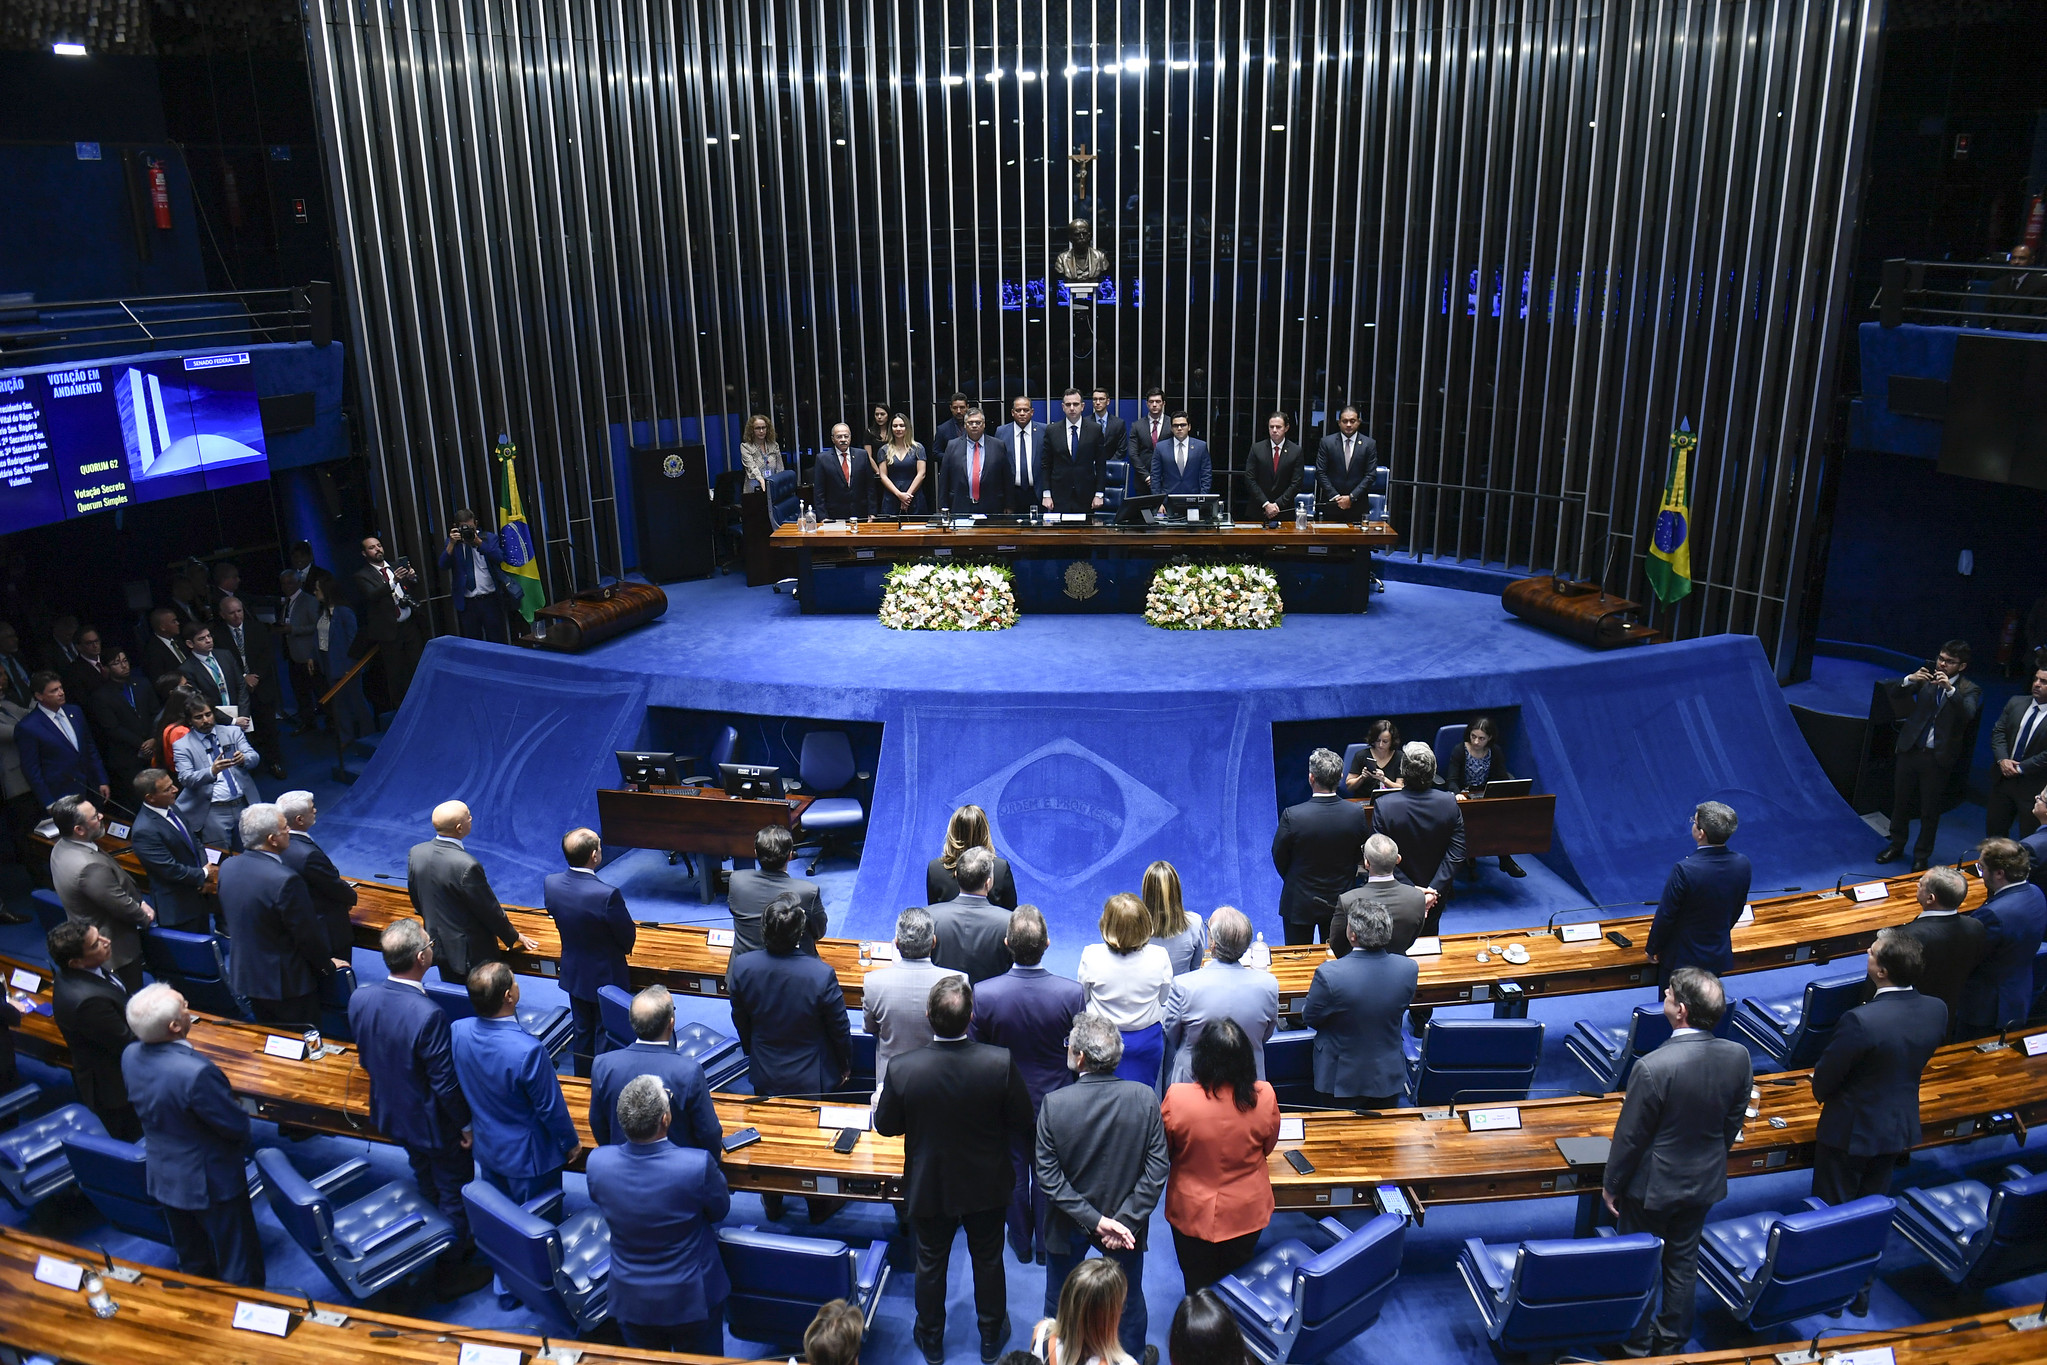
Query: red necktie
x,y
1275,460
1154,431
974,474
846,468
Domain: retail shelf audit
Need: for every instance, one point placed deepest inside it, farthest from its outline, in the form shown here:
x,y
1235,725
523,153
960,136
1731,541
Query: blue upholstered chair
x,y
717,1053
1611,1053
114,1175
1290,1065
560,1269
1297,1305
825,763
1116,484
785,501
1567,1293
779,1282
865,1059
1769,1268
1976,1233
552,1025
197,965
1472,1061
49,910
1378,502
32,1164
18,1100
615,1015
1447,740
1791,1033
335,989
365,1245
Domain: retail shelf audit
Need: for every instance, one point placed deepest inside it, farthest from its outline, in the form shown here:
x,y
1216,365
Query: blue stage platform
x,y
1099,744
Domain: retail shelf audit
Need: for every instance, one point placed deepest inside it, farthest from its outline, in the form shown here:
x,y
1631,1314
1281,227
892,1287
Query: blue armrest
x,y
870,1265
18,1099
340,1175
383,1235
29,1154
547,1206
1334,1228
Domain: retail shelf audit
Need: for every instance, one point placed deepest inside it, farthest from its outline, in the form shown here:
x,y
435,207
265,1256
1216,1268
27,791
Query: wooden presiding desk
x,y
1494,825
700,820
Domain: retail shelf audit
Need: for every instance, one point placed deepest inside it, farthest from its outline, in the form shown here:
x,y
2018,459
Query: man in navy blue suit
x,y
1426,826
2035,844
693,1120
1114,433
181,882
1071,475
1999,991
1315,849
523,1135
333,895
280,951
403,1042
1030,1011
1180,463
596,933
58,756
472,560
196,1134
1346,467
976,474
662,1203
1867,1079
842,482
1355,1004
1702,898
1023,438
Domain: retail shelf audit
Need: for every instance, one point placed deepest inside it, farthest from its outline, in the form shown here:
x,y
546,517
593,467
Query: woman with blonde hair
x,y
967,829
1125,979
1173,926
1090,1307
899,466
759,453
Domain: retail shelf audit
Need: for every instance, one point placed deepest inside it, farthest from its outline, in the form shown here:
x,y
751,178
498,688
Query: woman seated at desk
x,y
1473,764
1377,765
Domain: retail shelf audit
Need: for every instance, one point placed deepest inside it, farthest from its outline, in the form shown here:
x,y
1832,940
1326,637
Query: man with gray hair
x,y
1315,852
892,999
280,950
1702,898
196,1135
1354,1005
693,1120
1223,989
1426,826
1101,1160
333,896
970,926
1950,942
1407,905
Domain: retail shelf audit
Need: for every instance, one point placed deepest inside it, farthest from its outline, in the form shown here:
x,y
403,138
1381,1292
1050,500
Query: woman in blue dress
x,y
900,468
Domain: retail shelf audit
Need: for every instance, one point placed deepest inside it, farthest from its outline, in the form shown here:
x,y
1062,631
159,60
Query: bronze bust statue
x,y
1080,261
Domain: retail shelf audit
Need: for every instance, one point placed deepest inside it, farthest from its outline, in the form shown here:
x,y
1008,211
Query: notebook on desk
x,y
1585,1151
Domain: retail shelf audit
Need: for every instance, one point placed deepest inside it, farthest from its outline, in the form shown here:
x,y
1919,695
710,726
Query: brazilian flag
x,y
515,538
1670,551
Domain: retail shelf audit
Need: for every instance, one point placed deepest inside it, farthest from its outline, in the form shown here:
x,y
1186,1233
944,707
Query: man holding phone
x,y
1939,708
391,617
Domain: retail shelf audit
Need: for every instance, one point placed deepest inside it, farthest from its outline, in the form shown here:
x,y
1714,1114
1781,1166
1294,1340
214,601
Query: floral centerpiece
x,y
931,596
1213,597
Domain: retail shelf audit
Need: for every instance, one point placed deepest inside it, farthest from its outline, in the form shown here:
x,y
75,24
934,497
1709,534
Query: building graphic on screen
x,y
144,429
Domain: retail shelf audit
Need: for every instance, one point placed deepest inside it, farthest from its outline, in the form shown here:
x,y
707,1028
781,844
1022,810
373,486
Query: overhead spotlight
x,y
1026,75
955,80
68,49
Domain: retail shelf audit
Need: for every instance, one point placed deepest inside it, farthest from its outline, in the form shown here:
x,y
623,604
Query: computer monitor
x,y
1132,512
1197,509
642,769
743,779
1511,786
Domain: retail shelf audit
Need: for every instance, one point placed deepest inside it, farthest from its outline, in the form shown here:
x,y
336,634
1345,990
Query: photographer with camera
x,y
473,558
1939,708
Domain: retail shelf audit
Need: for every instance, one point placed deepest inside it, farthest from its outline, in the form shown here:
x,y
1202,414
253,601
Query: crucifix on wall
x,y
1084,159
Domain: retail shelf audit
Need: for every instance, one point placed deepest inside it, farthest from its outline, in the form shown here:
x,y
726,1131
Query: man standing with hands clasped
x,y
1702,898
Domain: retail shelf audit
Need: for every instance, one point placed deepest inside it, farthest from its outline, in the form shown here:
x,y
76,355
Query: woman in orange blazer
x,y
1220,1127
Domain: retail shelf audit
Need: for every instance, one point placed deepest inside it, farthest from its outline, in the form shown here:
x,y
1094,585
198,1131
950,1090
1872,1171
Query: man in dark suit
x,y
1702,898
1272,474
403,1041
96,890
1315,851
753,889
958,1105
1950,942
280,949
197,1135
842,481
1101,1160
519,1122
662,1201
298,616
58,755
1113,435
975,474
1355,1003
1072,476
333,895
1999,993
2035,844
971,928
597,933
451,894
390,617
1406,905
85,669
693,1119
181,881
1346,468
1147,434
2018,751
124,712
212,671
1023,441
249,639
1668,1163
791,1019
954,426
90,1008
1426,824
161,647
475,567
1180,463
1029,1011
1939,707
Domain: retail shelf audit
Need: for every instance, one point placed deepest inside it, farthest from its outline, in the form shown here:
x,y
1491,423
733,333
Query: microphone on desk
x,y
106,1256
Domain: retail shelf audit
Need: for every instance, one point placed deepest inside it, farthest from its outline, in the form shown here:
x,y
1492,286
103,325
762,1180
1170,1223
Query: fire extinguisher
x,y
2008,641
159,193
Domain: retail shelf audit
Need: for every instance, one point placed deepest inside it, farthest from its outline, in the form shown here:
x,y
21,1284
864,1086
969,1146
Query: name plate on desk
x,y
881,952
1872,891
291,1049
845,1116
2036,1043
1747,915
23,979
1577,933
1432,946
117,829
63,1274
1492,1120
722,938
1869,1355
473,1354
1296,1129
267,1318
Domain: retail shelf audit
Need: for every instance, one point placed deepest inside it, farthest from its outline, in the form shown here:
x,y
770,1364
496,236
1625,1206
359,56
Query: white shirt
x,y
451,839
1389,877
61,721
419,986
1886,990
1127,989
1679,1032
480,584
397,592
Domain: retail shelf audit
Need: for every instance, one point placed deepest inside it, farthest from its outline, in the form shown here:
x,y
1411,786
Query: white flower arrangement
x,y
1213,597
930,596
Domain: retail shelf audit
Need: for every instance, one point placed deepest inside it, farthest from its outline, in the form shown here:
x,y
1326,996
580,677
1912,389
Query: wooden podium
x,y
1580,610
581,621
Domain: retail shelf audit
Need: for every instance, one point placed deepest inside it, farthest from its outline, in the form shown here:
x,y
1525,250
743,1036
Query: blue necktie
x,y
172,816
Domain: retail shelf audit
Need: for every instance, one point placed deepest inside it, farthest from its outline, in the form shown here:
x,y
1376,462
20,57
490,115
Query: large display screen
x,y
87,438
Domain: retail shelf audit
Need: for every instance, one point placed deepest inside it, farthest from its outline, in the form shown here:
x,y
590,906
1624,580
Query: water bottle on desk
x,y
1261,954
808,521
1304,510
